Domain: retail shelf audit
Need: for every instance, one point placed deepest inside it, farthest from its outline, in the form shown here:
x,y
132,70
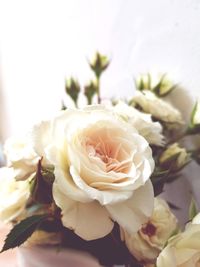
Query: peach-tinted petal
x,y
103,197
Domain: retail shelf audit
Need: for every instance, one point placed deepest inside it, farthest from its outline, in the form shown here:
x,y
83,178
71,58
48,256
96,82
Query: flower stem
x,y
98,90
178,138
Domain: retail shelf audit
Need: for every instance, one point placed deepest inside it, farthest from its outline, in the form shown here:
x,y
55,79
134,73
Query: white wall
x,y
41,42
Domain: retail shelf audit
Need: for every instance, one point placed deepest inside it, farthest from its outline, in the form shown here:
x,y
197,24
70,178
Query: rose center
x,y
111,153
149,229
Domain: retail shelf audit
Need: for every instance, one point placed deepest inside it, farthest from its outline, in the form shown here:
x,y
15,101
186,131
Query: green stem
x,y
178,138
98,90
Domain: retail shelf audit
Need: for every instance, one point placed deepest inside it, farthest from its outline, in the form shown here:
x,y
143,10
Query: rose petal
x,y
88,220
166,258
132,213
104,197
68,187
40,136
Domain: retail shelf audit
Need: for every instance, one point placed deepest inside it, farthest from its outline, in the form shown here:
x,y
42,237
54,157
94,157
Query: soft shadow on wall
x,y
4,122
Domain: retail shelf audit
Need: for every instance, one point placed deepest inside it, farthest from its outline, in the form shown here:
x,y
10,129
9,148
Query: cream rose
x,y
147,243
183,250
102,170
159,108
21,157
14,195
150,130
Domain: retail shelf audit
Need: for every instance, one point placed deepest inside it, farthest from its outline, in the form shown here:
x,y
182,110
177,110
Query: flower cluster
x,y
93,174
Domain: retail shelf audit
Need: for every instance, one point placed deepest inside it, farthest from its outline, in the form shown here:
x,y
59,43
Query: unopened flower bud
x,y
72,88
89,90
174,157
143,82
99,64
161,85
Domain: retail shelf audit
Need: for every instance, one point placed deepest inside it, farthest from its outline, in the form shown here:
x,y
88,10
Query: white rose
x,y
21,157
147,243
102,170
150,130
159,108
182,250
14,195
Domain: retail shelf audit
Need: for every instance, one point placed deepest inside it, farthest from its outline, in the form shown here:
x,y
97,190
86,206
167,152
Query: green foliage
x,y
193,211
72,88
162,176
41,185
90,90
162,88
194,125
22,231
99,64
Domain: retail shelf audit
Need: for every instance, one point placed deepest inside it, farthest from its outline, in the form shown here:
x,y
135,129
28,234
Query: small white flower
x,y
147,243
21,157
14,195
150,130
157,107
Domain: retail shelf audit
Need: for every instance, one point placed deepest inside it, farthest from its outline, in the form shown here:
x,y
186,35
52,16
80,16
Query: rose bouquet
x,y
89,178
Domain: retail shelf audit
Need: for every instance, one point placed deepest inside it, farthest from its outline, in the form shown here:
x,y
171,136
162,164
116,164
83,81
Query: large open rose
x,y
102,170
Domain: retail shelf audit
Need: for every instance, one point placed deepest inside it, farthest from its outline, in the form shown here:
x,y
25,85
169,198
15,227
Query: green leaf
x,y
156,89
41,185
90,90
192,209
51,226
72,88
172,206
22,231
194,125
99,64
